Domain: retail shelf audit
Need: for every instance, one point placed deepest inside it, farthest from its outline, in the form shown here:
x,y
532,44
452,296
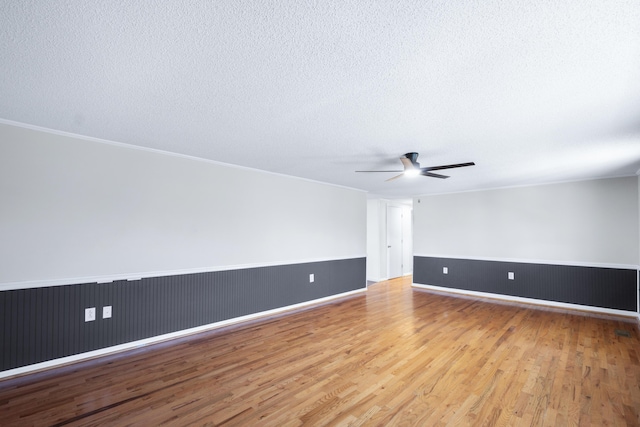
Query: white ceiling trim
x,y
162,152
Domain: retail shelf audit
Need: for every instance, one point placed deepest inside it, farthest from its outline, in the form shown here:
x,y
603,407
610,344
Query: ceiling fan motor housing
x,y
413,157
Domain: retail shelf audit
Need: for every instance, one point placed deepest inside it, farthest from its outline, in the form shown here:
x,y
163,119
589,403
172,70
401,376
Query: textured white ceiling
x,y
533,92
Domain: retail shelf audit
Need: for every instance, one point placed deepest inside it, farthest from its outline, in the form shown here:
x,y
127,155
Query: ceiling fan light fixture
x,y
412,173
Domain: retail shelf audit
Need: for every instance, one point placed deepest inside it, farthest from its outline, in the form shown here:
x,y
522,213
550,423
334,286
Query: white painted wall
x,y
373,240
74,208
586,222
407,230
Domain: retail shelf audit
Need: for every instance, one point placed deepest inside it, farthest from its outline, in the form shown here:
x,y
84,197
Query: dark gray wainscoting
x,y
592,286
47,323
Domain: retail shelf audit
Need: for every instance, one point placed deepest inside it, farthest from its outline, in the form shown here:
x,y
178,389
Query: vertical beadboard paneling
x,y
48,323
19,322
5,319
613,288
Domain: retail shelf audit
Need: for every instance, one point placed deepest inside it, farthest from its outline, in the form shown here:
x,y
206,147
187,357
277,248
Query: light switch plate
x,y
511,275
89,314
312,278
445,270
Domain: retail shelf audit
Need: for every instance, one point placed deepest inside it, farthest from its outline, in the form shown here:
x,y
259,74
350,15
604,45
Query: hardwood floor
x,y
391,356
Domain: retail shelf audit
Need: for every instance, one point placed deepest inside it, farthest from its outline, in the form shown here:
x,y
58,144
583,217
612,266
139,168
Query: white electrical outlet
x,y
106,312
312,278
511,275
445,270
89,314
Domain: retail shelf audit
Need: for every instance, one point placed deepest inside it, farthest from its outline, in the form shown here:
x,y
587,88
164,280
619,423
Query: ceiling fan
x,y
412,168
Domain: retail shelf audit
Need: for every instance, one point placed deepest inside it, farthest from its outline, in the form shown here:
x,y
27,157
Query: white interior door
x,y
394,241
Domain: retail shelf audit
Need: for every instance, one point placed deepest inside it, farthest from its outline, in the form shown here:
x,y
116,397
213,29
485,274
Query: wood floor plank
x,y
394,355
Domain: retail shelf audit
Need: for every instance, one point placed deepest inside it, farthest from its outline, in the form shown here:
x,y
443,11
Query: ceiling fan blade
x,y
381,171
394,177
408,164
433,175
458,165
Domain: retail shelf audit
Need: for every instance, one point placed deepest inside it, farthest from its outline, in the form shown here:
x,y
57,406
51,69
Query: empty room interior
x,y
320,213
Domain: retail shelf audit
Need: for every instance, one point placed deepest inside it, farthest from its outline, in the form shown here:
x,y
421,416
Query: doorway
x,y
389,223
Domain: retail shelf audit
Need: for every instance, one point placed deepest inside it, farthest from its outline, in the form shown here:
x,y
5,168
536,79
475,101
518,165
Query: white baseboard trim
x,y
160,338
622,313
